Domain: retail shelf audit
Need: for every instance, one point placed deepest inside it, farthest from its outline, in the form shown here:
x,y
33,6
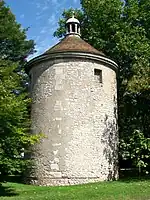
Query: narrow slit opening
x,y
73,28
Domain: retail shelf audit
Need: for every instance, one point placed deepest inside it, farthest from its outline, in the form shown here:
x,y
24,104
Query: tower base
x,y
46,181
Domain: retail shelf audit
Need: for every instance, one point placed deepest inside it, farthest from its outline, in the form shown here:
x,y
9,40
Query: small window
x,y
98,75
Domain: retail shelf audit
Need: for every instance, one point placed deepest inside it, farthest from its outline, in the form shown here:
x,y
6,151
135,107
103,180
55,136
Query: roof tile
x,y
73,43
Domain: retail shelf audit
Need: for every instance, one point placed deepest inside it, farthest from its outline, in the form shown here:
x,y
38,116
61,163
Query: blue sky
x,y
42,17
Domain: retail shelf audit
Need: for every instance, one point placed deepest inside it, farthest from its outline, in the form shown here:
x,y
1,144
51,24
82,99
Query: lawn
x,y
117,190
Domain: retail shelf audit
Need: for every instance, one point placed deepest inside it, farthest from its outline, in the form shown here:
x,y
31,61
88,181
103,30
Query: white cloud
x,y
38,5
44,30
47,1
22,16
46,24
75,1
54,1
57,5
45,8
38,17
36,38
52,20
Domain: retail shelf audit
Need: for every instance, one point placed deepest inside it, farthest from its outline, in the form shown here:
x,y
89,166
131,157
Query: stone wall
x,y
78,116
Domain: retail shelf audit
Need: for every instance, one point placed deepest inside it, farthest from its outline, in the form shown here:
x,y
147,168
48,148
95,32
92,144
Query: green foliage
x,y
121,30
14,120
14,101
13,43
137,148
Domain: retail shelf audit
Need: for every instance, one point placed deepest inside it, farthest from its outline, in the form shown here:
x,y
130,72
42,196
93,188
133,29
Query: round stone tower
x,y
74,104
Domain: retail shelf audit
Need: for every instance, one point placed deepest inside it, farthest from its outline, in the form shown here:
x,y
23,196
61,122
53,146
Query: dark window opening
x,y
68,28
73,27
78,28
98,75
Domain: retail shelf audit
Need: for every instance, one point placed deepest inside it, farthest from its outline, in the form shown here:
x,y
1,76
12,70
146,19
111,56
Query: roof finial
x,y
73,14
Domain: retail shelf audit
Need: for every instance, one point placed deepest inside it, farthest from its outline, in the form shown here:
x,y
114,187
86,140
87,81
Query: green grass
x,y
117,190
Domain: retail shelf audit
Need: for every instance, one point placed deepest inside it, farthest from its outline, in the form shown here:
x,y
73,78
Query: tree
x,y
14,120
13,43
121,30
14,101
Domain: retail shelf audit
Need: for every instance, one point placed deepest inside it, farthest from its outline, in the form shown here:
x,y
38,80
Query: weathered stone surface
x,y
47,181
78,116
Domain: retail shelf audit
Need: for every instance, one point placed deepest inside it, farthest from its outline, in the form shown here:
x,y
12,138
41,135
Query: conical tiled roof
x,y
74,44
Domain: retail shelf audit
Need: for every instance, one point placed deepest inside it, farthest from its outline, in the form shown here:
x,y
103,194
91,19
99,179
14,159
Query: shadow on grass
x,y
7,191
133,176
13,179
134,179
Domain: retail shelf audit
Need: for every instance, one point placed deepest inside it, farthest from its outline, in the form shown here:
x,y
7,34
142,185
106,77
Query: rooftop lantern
x,y
73,26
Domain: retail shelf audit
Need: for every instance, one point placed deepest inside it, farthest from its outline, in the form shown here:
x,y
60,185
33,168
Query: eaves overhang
x,y
72,55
